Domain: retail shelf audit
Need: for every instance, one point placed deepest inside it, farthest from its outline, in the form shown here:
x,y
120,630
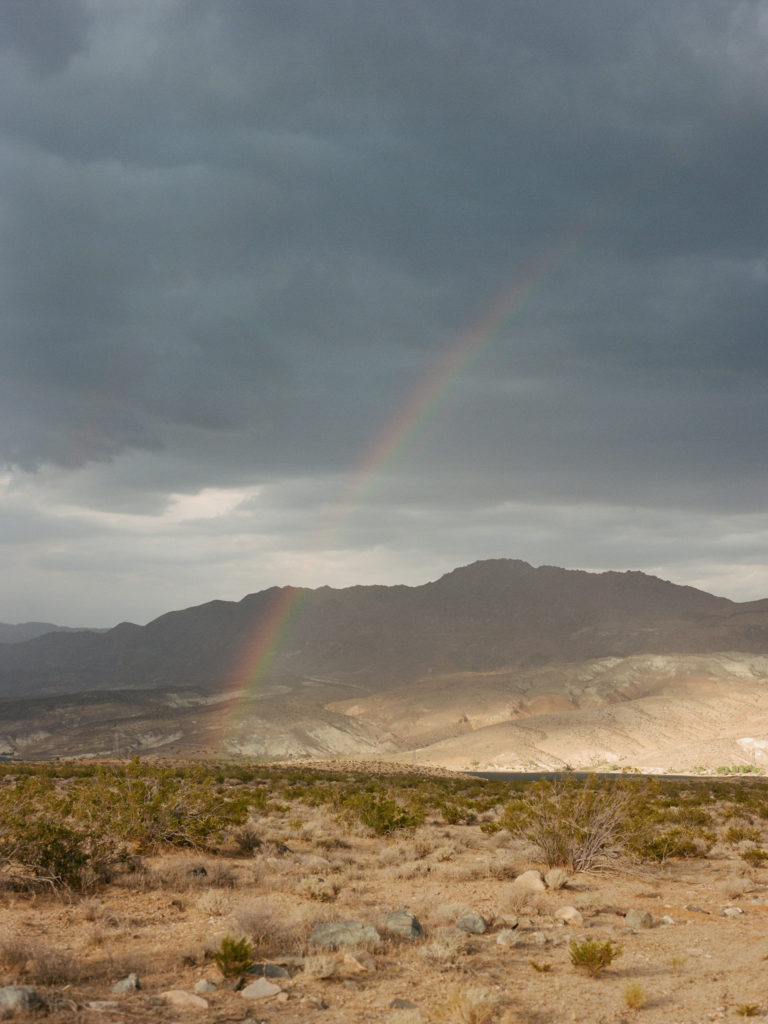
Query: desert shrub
x,y
247,841
754,857
741,833
234,955
635,996
43,850
660,845
574,823
457,812
381,813
593,957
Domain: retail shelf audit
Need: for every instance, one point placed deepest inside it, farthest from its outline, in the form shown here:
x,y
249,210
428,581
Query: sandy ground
x,y
163,921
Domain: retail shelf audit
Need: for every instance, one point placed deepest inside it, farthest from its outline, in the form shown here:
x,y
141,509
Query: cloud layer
x,y
241,239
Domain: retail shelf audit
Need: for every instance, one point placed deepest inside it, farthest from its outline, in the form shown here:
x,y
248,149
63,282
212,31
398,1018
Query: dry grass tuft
x,y
271,930
444,947
214,903
635,996
34,962
466,1006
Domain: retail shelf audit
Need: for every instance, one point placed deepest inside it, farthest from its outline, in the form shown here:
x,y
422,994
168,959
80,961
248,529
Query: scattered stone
x,y
332,934
129,984
261,989
203,985
507,920
402,1004
184,1000
731,911
638,919
508,937
268,971
18,998
524,922
695,909
404,923
540,938
570,916
324,966
319,1004
530,881
103,1006
359,961
475,924
666,920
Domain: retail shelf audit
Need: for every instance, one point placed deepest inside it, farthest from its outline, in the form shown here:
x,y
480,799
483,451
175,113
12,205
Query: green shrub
x,y
754,857
593,957
381,813
234,955
739,833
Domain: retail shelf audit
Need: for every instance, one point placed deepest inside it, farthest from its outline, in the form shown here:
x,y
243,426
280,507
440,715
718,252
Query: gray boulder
x,y
129,984
404,923
334,934
638,919
475,924
17,999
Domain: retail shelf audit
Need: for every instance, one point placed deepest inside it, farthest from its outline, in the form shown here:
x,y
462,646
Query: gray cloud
x,y
238,238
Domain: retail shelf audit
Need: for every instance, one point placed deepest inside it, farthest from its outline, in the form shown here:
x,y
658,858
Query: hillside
x,y
389,669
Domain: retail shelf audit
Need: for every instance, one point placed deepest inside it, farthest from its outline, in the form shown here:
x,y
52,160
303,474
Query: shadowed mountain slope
x,y
478,618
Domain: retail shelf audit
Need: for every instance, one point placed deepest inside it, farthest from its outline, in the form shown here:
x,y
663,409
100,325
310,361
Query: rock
x,y
524,922
638,919
570,916
475,924
695,909
507,921
358,961
103,1005
508,937
666,920
203,985
540,938
332,934
184,1000
325,965
402,1004
18,998
402,922
731,911
530,881
129,984
261,989
268,971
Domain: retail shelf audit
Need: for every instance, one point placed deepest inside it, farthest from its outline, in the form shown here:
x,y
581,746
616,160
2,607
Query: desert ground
x,y
696,951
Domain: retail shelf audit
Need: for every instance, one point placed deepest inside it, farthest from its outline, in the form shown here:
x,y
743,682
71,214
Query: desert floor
x,y
163,921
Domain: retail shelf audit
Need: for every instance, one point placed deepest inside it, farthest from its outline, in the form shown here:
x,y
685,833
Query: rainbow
x,y
259,653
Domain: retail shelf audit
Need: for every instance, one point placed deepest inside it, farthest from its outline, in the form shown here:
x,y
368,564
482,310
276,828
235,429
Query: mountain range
x,y
495,665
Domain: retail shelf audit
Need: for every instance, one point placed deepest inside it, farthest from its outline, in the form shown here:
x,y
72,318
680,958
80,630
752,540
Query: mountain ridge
x,y
378,669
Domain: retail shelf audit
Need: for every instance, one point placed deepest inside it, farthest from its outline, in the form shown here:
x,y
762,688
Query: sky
x,y
351,292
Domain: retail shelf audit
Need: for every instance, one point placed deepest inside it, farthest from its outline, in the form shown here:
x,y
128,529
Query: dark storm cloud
x,y
237,236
